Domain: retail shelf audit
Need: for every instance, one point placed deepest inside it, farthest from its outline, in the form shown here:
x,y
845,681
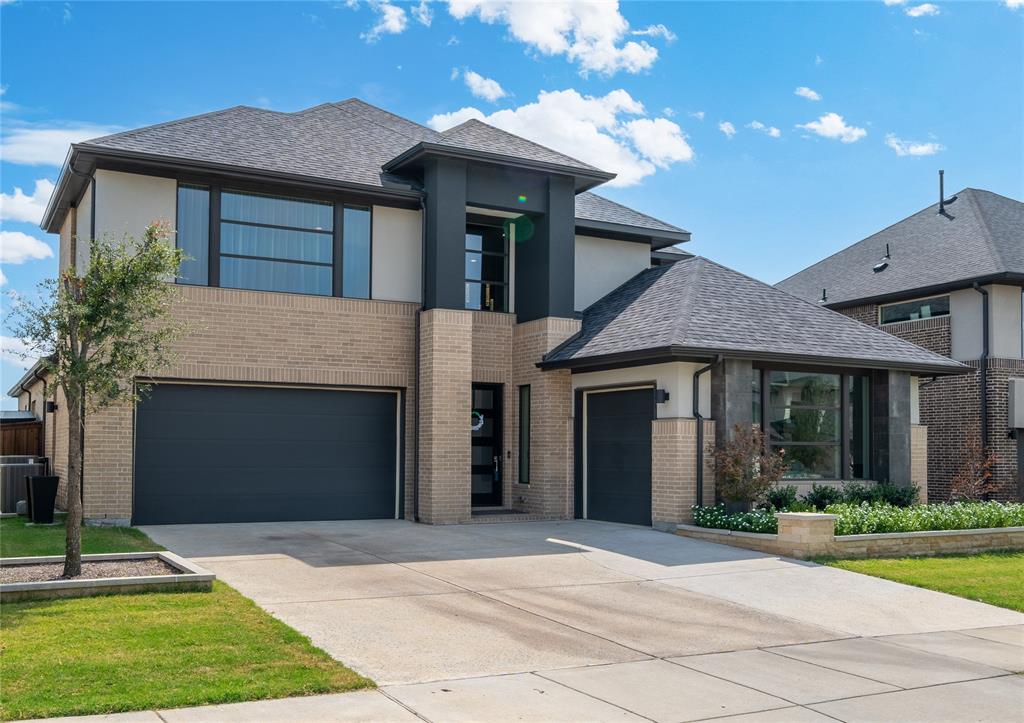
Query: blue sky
x,y
893,92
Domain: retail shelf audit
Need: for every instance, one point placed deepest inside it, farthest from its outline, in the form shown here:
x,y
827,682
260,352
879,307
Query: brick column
x,y
919,460
673,470
446,365
806,534
550,491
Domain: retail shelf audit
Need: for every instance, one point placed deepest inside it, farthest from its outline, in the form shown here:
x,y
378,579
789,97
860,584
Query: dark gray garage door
x,y
618,449
254,454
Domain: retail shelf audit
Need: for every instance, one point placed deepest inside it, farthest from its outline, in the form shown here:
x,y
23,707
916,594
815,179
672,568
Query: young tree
x,y
97,329
973,479
746,468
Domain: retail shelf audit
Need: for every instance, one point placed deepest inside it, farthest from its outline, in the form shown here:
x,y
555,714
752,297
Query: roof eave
x,y
681,353
31,375
922,291
659,238
585,179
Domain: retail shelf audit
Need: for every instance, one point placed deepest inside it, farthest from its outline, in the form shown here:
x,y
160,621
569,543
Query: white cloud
x,y
767,130
668,112
698,114
17,248
912,148
818,60
588,33
1014,4
894,2
423,14
5,105
391,20
656,31
610,132
727,128
922,10
31,146
804,92
21,207
14,351
832,125
3,278
486,88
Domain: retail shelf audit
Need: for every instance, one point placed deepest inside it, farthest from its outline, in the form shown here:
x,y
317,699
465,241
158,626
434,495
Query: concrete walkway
x,y
568,621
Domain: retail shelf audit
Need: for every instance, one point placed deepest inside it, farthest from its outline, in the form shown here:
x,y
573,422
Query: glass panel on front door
x,y
485,440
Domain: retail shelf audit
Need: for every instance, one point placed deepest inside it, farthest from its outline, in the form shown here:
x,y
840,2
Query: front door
x,y
486,445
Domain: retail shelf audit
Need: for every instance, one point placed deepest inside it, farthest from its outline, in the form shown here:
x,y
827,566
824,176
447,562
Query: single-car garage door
x,y
208,453
618,455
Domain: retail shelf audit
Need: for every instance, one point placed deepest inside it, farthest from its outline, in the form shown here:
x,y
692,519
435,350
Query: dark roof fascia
x,y
86,158
921,292
31,375
657,238
678,353
585,180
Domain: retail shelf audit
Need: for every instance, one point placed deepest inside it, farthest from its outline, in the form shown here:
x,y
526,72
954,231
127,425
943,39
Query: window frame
x,y
523,453
504,255
846,375
883,307
215,189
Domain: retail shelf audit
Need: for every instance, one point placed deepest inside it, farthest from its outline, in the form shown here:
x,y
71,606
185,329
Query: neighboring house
x,y
935,279
387,321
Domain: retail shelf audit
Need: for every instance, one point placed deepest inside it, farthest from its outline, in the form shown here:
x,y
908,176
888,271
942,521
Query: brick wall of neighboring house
x,y
951,409
673,470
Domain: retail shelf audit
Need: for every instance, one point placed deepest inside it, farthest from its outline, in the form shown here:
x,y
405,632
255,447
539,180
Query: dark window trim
x,y
881,307
337,200
504,255
275,259
524,434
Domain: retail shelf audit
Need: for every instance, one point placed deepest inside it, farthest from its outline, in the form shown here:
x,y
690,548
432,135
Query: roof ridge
x,y
341,103
132,131
682,323
518,137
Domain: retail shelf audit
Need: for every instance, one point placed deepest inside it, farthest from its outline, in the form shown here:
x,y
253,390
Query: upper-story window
x,y
276,244
273,243
486,268
914,310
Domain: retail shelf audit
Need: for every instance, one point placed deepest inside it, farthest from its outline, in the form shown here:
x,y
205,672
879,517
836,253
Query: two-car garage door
x,y
206,453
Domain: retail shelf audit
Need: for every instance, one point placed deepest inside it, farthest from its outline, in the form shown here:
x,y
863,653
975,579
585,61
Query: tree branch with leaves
x,y
98,330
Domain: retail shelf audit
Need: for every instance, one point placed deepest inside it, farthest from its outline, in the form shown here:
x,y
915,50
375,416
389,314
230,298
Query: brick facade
x,y
674,470
950,406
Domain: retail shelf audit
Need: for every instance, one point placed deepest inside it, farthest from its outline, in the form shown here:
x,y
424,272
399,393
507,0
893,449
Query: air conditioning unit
x,y
1016,403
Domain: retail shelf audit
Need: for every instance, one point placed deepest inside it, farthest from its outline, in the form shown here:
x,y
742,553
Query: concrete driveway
x,y
594,621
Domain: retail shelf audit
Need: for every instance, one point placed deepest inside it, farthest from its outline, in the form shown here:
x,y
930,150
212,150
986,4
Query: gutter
x,y
983,364
700,427
920,292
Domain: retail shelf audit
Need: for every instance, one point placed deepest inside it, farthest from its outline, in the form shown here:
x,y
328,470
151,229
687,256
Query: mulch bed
x,y
43,572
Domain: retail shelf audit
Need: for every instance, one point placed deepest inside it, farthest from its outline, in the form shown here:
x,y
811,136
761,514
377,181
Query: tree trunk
x,y
73,544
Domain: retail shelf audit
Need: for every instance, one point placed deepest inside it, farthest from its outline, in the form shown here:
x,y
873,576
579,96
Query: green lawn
x,y
139,652
996,578
20,539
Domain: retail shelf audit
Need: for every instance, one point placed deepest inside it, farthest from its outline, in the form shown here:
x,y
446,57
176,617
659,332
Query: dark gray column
x,y
545,262
731,401
444,249
890,426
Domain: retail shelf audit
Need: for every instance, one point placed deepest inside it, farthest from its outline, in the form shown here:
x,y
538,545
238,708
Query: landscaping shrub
x,y
856,492
871,518
746,469
821,496
717,517
896,495
781,498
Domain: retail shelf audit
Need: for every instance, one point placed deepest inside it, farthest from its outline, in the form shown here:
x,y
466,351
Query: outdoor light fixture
x,y
661,396
50,407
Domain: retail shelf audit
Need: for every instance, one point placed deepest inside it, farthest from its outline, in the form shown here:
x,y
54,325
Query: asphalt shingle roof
x,y
592,207
982,234
700,307
348,141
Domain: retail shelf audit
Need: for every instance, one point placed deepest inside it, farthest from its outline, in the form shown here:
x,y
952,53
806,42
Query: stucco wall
x,y
604,264
397,254
126,203
674,377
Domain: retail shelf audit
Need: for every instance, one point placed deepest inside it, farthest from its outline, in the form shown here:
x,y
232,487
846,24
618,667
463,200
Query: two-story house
x,y
948,278
387,321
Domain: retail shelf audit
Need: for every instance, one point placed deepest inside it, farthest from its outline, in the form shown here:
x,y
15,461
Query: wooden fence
x,y
22,438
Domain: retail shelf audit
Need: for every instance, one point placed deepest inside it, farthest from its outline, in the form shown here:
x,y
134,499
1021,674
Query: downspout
x,y
983,364
416,363
700,427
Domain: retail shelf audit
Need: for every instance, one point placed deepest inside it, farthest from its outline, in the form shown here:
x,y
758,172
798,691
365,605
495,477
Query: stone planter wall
x,y
806,534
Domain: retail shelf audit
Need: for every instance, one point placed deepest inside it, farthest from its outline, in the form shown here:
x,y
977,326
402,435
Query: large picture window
x,y
486,268
246,240
804,417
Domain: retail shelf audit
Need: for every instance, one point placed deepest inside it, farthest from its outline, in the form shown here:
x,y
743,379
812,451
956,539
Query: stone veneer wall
x,y
673,469
949,406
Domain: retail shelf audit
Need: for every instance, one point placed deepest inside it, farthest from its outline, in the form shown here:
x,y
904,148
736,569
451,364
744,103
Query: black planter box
x,y
42,495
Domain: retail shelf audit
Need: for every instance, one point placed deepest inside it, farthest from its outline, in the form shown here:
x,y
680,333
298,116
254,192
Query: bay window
x,y
245,240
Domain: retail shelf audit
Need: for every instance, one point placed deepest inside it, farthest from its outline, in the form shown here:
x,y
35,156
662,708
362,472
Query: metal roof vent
x,y
884,263
824,297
